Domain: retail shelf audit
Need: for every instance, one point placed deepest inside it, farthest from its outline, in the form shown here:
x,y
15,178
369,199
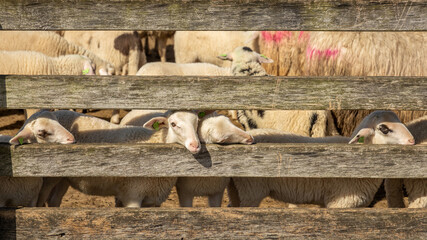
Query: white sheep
x,y
245,62
179,127
36,63
50,44
380,127
40,128
213,128
416,188
317,123
204,46
122,48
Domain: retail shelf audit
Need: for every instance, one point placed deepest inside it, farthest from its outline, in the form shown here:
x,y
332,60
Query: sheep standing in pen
x,y
213,128
347,54
40,128
204,46
416,188
179,127
36,63
50,44
122,48
380,127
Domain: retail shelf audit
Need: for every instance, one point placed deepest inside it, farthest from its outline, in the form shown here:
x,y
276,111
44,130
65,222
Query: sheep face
x,y
182,129
219,129
43,129
383,127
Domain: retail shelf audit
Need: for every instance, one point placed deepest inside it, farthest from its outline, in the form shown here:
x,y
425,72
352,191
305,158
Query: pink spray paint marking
x,y
325,54
276,37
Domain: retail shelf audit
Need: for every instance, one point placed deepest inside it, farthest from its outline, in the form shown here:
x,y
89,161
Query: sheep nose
x,y
195,147
249,140
411,141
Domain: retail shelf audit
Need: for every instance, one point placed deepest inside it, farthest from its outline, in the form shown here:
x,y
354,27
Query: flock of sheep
x,y
216,54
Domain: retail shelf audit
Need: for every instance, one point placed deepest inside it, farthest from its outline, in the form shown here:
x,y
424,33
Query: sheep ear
x,y
22,137
264,59
362,134
225,57
156,123
87,68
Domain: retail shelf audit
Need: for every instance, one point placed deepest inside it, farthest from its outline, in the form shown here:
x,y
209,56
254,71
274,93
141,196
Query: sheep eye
x,y
43,133
173,124
384,129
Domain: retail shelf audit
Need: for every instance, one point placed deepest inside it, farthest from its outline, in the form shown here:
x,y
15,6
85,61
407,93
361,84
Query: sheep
x,y
203,46
380,127
303,122
122,48
213,128
36,63
40,128
347,54
50,44
245,62
416,188
179,127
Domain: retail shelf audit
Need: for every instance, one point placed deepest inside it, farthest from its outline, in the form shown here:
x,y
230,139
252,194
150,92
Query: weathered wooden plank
x,y
214,15
154,92
259,160
211,223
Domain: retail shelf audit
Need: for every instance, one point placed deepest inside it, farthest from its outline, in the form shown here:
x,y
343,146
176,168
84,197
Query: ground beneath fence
x,y
12,120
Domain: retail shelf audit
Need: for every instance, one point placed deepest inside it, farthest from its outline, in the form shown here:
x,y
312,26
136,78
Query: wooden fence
x,y
284,160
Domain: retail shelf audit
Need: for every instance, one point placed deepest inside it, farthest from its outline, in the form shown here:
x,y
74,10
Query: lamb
x,y
50,44
122,48
245,62
35,63
203,46
40,128
179,127
380,127
416,188
213,128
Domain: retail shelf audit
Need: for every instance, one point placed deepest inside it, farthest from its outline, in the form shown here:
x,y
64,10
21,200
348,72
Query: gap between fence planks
x,y
259,160
211,223
192,92
361,15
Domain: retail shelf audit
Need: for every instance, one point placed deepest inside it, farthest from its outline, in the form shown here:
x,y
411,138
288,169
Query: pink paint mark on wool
x,y
303,36
328,53
276,37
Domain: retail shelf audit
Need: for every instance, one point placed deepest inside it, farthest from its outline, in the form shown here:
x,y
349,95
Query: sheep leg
x,y
47,187
58,192
161,48
115,117
215,200
394,193
185,199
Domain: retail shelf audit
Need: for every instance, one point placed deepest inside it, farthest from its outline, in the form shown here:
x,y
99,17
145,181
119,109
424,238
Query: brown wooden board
x,y
213,15
211,223
192,92
259,160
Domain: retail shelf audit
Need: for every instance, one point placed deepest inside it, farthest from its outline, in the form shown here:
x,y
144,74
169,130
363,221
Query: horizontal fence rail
x,y
192,92
359,15
241,223
259,160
